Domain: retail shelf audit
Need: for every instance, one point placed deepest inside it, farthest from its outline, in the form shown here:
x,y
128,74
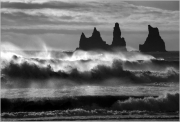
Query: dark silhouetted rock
x,y
154,42
95,42
117,40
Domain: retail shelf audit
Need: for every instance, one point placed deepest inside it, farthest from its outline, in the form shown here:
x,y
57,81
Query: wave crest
x,y
169,102
90,67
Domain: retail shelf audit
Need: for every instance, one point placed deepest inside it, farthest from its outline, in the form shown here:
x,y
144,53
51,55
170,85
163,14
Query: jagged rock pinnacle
x,y
117,31
118,41
154,42
96,42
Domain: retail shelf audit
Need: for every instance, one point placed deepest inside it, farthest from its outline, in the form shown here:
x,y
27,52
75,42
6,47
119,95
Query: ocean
x,y
88,85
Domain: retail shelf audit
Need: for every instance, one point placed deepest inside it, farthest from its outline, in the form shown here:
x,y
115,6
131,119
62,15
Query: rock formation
x,y
117,40
95,42
154,42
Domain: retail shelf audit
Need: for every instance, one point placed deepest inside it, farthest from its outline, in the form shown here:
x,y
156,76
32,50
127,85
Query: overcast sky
x,y
59,24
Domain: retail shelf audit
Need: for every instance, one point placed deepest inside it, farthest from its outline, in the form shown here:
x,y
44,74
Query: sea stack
x,y
95,42
92,43
118,41
154,42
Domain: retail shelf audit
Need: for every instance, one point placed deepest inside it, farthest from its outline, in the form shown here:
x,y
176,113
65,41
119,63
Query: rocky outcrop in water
x,y
154,42
118,41
95,42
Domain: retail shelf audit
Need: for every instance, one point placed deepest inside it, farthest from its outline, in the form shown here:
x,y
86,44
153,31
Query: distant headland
x,y
153,43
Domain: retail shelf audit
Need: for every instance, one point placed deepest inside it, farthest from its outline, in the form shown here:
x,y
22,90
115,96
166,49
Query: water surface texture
x,y
81,85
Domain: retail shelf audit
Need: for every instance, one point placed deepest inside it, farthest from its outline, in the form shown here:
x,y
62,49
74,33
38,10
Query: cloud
x,y
71,15
166,5
23,19
48,4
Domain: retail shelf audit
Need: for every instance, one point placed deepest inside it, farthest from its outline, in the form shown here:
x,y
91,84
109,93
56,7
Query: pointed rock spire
x,y
153,31
96,42
117,31
83,35
154,42
82,42
95,30
95,33
118,41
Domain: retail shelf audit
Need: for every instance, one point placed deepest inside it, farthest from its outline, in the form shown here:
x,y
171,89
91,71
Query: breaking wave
x,y
27,71
169,102
87,67
166,103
